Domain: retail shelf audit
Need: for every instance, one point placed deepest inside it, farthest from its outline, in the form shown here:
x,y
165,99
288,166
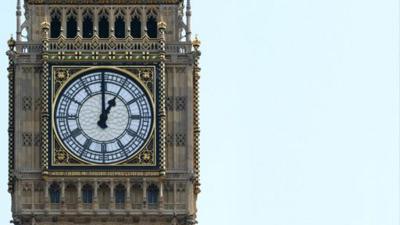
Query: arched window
x,y
87,24
152,195
120,194
87,194
72,24
55,24
104,25
136,27
119,24
104,196
152,27
54,191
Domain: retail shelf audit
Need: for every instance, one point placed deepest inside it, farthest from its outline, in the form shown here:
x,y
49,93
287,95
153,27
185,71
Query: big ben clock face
x,y
103,117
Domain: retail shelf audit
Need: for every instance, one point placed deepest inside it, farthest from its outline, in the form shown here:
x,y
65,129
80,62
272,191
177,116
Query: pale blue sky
x,y
299,111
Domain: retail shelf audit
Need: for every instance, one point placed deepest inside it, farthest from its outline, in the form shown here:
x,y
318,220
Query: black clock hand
x,y
104,114
103,94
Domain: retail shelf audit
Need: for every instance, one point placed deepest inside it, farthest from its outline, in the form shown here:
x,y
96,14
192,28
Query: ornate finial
x,y
162,25
11,43
196,42
45,24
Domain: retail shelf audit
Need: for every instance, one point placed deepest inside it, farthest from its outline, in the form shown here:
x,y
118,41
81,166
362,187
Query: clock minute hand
x,y
104,115
103,94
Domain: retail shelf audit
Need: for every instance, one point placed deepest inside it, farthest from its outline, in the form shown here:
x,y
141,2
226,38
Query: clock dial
x,y
103,117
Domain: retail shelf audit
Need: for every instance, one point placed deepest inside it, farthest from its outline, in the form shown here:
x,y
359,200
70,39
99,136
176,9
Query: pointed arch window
x,y
152,195
87,194
119,24
72,24
87,24
136,24
55,24
54,191
104,24
152,26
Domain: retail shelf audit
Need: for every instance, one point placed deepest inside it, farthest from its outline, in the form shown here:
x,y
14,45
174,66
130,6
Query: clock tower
x,y
104,113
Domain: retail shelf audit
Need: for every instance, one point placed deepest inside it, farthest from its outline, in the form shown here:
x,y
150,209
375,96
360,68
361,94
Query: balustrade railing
x,y
57,45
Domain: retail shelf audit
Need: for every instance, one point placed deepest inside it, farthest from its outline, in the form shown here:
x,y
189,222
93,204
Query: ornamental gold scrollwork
x,y
146,75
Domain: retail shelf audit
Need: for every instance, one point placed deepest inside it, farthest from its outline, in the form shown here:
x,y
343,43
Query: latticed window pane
x,y
180,139
26,139
180,103
27,103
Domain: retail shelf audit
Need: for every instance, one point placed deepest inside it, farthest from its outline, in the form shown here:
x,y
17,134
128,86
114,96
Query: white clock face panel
x,y
103,117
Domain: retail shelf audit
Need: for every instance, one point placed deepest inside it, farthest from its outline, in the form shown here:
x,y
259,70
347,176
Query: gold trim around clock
x,y
145,144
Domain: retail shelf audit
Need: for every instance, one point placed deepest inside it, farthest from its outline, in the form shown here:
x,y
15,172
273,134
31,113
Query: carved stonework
x,y
61,47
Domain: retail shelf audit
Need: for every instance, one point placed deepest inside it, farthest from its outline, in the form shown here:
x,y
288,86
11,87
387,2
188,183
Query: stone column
x,y
64,22
33,195
161,205
144,21
112,200
175,196
95,22
46,196
144,194
128,202
79,194
95,199
62,194
80,25
128,19
112,22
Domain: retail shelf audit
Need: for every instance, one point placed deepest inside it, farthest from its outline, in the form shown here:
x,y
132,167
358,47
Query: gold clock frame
x,y
61,155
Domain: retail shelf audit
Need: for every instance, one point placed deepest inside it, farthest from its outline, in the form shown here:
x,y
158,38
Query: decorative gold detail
x,y
196,114
45,94
61,157
162,25
11,53
162,94
196,43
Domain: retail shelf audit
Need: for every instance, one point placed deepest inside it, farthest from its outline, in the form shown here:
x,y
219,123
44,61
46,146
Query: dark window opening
x,y
152,194
87,27
120,194
104,30
152,27
72,27
87,194
136,27
119,27
55,25
54,191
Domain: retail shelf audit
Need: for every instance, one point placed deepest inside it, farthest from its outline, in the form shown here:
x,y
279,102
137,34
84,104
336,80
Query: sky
x,y
299,111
